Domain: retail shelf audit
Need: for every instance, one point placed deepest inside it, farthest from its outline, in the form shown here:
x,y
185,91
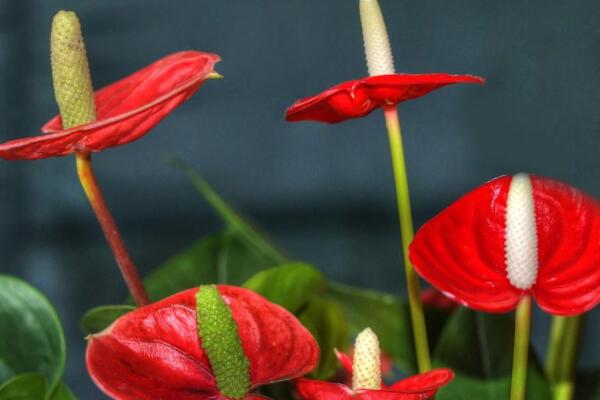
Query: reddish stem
x,y
109,227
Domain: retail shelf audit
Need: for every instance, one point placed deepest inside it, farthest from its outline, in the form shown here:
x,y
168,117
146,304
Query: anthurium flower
x,y
512,237
215,342
365,369
125,110
357,98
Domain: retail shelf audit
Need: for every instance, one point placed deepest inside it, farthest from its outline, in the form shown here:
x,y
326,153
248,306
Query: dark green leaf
x,y
223,258
62,392
29,386
31,337
478,347
99,318
325,319
279,391
288,285
231,217
387,315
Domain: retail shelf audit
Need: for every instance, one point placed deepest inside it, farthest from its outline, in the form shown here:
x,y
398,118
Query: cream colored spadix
x,y
521,244
366,367
377,43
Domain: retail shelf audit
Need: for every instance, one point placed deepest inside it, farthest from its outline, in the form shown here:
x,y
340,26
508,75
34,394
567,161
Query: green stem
x,y
555,347
521,349
562,355
407,233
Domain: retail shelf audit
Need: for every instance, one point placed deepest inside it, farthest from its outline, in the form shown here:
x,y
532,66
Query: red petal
x,y
126,110
428,382
309,389
431,297
358,98
154,352
345,360
461,250
418,387
568,228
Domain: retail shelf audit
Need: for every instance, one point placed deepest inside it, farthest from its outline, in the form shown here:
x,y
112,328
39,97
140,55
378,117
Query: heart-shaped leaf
x,y
289,285
31,337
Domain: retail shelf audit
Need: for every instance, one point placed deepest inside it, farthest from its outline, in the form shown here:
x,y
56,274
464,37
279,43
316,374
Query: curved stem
x,y
407,233
109,227
521,349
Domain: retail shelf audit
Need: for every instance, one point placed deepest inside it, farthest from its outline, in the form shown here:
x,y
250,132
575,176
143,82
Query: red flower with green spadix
x,y
212,343
365,369
513,237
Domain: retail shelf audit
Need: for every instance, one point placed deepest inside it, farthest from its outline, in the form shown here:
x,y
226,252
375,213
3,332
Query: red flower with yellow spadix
x,y
383,87
365,369
512,237
115,115
124,111
212,343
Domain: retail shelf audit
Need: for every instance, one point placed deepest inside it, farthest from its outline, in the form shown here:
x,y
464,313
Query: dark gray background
x,y
325,193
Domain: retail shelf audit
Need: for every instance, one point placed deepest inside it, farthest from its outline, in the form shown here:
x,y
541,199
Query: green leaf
x,y
289,285
31,337
231,217
62,392
222,258
325,320
387,315
478,347
29,386
99,318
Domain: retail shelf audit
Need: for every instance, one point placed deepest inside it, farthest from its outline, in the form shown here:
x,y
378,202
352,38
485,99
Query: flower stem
x,y
407,233
521,349
562,355
109,227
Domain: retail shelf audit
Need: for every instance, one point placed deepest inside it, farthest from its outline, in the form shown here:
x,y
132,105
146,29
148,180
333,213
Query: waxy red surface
x,y
418,387
461,250
155,353
357,98
126,110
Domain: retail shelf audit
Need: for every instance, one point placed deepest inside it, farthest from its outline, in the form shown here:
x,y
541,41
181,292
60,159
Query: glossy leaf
x,y
99,318
387,315
31,337
289,285
62,392
478,347
27,386
162,341
222,258
325,320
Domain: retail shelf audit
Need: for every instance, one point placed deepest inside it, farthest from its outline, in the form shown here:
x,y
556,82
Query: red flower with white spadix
x,y
511,237
365,370
212,343
383,87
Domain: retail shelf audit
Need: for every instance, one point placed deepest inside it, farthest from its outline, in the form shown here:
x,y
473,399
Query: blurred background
x,y
324,192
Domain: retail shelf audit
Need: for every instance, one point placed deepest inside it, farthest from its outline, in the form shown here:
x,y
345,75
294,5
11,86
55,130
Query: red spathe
x,y
155,353
461,251
357,98
126,110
